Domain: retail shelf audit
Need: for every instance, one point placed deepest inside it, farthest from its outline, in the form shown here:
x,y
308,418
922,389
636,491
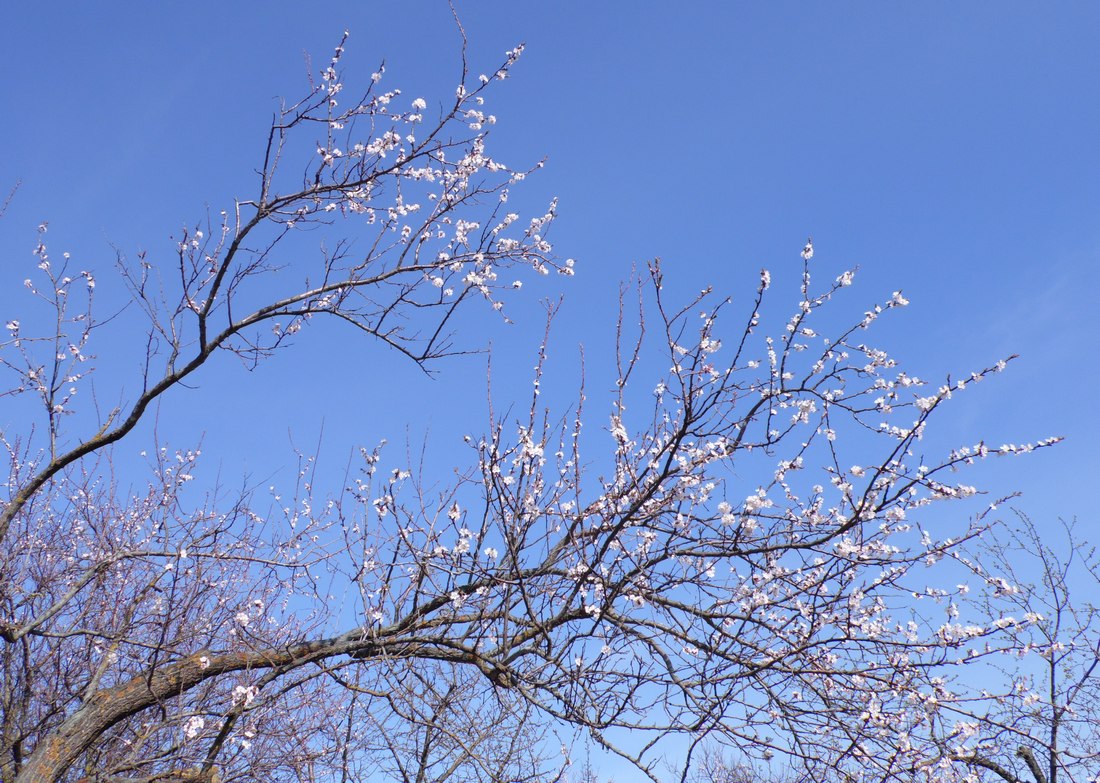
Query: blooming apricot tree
x,y
1043,727
734,564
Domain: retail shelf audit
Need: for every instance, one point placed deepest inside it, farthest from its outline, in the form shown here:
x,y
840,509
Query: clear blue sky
x,y
951,150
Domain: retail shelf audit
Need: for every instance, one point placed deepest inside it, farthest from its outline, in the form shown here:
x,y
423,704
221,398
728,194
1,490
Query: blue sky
x,y
948,150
